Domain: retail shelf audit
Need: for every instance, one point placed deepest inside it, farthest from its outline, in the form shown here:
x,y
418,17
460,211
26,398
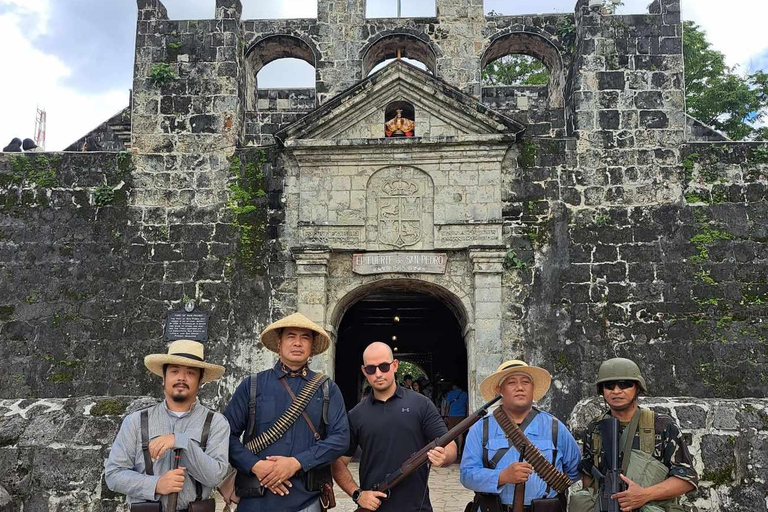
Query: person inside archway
x,y
407,380
497,472
455,410
389,426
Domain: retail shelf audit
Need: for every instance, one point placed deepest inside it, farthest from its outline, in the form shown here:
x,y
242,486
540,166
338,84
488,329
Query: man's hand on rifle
x,y
633,498
440,457
370,500
516,473
172,481
159,445
263,468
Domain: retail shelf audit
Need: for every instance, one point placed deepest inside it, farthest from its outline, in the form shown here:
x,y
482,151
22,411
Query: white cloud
x,y
34,79
735,28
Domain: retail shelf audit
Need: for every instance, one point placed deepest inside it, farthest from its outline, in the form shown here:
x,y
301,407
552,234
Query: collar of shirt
x,y
398,394
279,373
164,405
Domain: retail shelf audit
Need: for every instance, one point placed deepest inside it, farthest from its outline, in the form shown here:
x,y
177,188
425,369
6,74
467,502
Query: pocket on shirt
x,y
265,410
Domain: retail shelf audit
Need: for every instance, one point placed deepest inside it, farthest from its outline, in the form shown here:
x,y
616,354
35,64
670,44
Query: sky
x,y
75,57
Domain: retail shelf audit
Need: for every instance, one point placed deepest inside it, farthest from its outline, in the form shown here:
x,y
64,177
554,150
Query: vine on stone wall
x,y
249,210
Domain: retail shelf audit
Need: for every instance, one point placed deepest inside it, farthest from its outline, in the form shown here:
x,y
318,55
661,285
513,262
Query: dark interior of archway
x,y
427,334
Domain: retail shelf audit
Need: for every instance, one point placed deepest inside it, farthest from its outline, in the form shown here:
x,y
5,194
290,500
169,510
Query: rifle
x,y
174,497
420,458
610,483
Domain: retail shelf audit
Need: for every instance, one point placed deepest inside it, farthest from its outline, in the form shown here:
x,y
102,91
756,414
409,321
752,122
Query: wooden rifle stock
x,y
420,458
174,497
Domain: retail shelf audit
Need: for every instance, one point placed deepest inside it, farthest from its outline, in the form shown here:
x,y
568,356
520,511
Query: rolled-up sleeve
x,y
236,414
336,442
473,475
120,470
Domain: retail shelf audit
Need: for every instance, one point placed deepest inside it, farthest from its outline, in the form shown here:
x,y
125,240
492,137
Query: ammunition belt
x,y
558,480
289,417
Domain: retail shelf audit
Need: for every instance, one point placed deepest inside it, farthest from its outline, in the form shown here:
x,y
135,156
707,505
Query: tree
x,y
515,70
716,94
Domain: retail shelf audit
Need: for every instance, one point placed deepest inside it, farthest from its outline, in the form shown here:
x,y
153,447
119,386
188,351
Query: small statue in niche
x,y
399,126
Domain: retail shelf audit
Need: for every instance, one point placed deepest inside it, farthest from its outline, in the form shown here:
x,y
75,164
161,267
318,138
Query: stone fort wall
x,y
621,236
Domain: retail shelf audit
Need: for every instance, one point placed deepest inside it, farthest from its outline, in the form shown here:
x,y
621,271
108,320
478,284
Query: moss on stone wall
x,y
109,407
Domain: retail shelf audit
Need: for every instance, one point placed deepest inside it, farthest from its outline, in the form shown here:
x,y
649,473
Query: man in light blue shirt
x,y
490,465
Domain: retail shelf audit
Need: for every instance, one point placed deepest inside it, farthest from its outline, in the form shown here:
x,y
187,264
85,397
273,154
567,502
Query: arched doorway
x,y
422,327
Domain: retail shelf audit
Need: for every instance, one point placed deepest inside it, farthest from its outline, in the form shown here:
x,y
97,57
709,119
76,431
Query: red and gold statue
x,y
399,126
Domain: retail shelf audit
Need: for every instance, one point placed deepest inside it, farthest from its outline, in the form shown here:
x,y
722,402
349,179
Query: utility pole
x,y
40,124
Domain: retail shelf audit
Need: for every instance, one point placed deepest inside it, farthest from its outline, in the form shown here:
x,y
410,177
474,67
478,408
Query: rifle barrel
x,y
174,497
420,458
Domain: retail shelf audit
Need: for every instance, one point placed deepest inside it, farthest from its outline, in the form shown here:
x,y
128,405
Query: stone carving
x,y
332,236
399,126
463,235
400,211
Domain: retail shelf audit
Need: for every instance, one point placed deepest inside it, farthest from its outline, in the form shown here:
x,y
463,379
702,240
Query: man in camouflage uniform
x,y
660,468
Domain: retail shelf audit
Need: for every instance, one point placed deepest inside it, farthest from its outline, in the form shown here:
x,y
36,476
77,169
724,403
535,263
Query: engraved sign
x,y
333,236
181,325
399,262
400,214
462,235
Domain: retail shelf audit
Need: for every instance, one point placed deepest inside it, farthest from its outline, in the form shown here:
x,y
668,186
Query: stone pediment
x,y
442,113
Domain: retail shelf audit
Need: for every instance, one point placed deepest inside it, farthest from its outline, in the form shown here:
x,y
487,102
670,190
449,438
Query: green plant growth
x,y
688,164
103,195
246,189
695,198
173,50
124,163
602,220
513,261
528,154
161,74
759,155
109,407
34,171
707,237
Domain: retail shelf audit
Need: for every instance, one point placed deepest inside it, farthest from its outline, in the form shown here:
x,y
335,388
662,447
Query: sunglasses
x,y
623,384
370,369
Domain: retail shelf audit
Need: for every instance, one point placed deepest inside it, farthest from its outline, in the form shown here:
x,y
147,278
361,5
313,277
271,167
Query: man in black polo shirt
x,y
390,425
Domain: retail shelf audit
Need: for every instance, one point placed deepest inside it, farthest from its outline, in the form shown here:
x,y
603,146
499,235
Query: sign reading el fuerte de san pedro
x,y
399,262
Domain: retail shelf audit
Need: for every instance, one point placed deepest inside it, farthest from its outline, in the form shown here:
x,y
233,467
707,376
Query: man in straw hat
x,y
389,426
658,468
289,465
491,466
179,422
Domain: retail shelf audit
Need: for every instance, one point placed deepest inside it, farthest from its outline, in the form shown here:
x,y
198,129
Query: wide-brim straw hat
x,y
184,353
270,337
541,378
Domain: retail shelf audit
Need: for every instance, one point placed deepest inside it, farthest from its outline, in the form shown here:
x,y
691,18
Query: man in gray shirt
x,y
176,423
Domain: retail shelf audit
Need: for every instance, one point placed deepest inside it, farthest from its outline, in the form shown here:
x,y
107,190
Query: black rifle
x,y
610,482
420,458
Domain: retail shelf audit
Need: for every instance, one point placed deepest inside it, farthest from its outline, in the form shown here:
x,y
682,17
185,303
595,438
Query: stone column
x,y
484,355
312,274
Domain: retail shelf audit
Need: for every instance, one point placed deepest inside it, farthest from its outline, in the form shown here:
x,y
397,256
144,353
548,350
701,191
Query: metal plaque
x,y
181,325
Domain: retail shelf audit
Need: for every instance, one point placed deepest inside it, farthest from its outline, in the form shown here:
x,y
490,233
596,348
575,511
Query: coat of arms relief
x,y
400,213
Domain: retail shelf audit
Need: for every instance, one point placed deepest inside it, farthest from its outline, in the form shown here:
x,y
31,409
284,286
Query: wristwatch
x,y
356,494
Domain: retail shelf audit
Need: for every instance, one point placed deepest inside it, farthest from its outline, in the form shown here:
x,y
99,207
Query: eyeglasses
x,y
623,384
370,369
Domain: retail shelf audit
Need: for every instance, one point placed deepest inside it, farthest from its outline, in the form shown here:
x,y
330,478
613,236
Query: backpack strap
x,y
554,443
203,445
251,406
326,406
145,442
491,464
647,431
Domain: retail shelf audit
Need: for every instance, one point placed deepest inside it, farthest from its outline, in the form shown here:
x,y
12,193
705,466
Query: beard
x,y
179,393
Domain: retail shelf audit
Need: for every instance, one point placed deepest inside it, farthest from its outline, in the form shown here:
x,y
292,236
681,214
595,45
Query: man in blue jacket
x,y
283,467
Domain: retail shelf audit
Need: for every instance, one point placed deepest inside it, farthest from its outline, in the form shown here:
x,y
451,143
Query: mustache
x,y
181,384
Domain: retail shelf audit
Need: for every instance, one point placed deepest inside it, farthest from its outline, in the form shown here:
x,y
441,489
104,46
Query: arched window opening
x,y
515,69
521,58
399,119
400,9
278,62
279,9
399,46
